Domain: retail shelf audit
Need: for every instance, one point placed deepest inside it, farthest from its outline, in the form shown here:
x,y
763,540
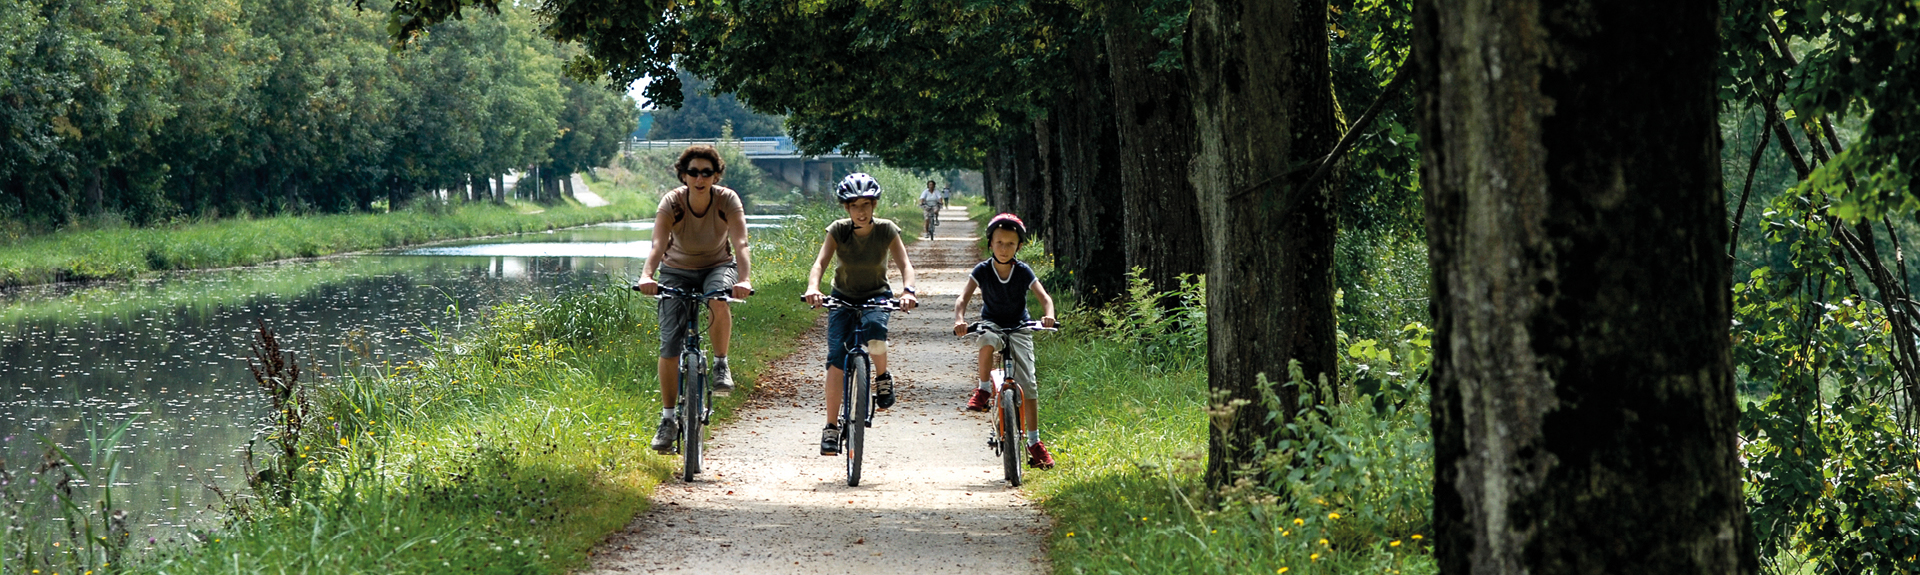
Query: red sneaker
x,y
1037,456
980,401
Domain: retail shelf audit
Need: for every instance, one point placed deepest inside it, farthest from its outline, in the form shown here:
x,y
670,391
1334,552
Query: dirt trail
x,y
930,500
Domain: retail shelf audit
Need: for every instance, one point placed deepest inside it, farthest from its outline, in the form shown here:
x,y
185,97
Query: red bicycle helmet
x,y
1009,222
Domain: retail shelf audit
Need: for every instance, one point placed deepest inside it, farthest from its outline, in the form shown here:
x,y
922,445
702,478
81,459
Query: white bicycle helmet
x,y
858,185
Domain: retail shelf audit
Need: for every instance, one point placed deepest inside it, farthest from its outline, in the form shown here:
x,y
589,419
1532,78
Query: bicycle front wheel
x,y
1010,435
693,392
856,427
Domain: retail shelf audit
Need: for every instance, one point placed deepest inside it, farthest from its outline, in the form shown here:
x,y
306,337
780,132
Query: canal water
x,y
170,353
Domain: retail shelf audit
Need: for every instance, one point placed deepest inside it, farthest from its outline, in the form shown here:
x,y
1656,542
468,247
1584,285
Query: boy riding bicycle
x,y
1004,283
861,245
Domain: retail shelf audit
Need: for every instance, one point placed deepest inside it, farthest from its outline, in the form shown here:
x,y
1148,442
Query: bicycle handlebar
x,y
885,303
722,294
981,326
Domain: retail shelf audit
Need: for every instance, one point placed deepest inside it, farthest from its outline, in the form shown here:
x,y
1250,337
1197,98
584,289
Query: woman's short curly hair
x,y
699,152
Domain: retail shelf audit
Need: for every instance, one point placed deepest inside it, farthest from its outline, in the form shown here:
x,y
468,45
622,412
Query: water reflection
x,y
172,350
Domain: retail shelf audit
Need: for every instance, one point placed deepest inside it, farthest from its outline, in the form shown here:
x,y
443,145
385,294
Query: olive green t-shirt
x,y
861,272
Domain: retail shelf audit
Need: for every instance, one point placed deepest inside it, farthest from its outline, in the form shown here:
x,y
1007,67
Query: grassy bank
x,y
1125,410
122,252
512,449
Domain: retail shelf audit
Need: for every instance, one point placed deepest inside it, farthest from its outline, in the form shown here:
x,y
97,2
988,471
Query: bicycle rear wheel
x,y
1010,435
693,394
856,427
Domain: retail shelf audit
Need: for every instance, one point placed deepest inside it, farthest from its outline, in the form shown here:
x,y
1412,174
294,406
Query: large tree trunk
x,y
1155,122
1262,109
1086,190
1583,403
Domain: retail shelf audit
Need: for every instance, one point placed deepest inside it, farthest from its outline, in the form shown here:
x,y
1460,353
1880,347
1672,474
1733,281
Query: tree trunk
x,y
1262,108
1155,122
1086,191
1583,402
499,189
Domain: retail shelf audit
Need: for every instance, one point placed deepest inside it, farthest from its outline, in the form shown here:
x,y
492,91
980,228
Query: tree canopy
x,y
150,109
702,114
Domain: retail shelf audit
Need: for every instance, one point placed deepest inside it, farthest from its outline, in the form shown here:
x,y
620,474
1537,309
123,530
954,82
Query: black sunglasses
x,y
701,173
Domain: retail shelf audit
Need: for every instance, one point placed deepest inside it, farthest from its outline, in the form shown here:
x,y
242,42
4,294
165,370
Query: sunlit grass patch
x,y
1123,405
513,447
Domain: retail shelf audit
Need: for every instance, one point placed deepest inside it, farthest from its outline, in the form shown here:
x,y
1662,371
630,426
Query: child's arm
x,y
960,307
899,250
1046,304
813,295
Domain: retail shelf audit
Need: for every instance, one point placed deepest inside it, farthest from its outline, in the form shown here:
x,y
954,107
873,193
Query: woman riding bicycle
x,y
931,201
861,244
699,245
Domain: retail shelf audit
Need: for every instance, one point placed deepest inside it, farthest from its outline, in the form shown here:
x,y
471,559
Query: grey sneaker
x,y
722,379
830,440
669,433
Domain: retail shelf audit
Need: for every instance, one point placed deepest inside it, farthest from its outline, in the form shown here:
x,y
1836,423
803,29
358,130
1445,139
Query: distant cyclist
x,y
1004,283
699,245
930,203
860,245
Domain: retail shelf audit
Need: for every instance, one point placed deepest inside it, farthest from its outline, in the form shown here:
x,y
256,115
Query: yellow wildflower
x,y
1395,543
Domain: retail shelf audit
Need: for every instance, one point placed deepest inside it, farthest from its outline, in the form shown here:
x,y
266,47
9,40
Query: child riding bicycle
x,y
861,245
1004,283
699,245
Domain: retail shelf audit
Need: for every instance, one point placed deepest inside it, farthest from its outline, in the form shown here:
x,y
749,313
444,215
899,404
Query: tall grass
x,y
1124,406
512,448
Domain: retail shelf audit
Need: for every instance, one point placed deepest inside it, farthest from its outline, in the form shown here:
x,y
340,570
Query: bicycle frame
x,y
695,404
1005,438
857,355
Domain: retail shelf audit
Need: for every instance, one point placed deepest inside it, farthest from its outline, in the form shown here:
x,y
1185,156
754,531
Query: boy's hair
x,y
699,152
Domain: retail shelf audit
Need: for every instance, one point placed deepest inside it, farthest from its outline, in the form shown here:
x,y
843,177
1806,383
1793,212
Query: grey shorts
x,y
1022,357
674,312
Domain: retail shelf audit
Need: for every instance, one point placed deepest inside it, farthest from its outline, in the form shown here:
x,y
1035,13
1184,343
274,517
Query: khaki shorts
x,y
674,311
1022,357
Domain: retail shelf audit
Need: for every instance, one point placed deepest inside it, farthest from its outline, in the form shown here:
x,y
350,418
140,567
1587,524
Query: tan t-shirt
x,y
698,240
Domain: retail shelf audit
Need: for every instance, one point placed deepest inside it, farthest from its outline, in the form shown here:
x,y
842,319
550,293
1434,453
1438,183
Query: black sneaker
x,y
668,433
883,391
830,440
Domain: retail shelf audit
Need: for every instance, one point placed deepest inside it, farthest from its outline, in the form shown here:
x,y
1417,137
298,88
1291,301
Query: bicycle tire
x,y
856,427
1010,435
694,397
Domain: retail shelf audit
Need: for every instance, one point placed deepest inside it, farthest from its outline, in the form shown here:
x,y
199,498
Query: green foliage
x,y
149,110
1128,431
703,114
1841,58
1172,337
1381,281
1827,462
60,516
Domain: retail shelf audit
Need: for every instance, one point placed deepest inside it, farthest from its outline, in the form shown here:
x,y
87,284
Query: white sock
x,y
1033,437
666,412
986,385
719,360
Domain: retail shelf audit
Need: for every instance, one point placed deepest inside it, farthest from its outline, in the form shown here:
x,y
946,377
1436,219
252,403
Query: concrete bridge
x,y
778,157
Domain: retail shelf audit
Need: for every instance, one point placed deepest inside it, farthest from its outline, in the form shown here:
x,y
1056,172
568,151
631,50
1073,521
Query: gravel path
x,y
931,498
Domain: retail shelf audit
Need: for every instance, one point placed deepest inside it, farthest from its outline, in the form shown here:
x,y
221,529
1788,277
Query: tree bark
x,y
1086,188
1155,123
1583,402
1262,109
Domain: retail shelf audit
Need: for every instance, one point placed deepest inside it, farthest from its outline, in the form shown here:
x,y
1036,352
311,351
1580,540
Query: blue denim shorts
x,y
873,323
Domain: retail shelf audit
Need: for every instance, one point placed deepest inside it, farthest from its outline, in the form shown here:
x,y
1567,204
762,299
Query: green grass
x,y
1125,410
123,253
513,449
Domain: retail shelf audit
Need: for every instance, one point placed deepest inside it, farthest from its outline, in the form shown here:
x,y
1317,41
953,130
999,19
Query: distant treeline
x,y
146,110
